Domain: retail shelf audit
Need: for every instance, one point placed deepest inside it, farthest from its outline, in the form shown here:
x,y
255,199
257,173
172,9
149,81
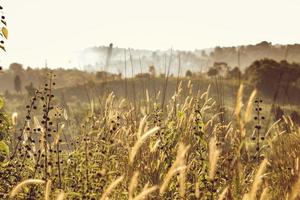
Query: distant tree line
x,y
245,55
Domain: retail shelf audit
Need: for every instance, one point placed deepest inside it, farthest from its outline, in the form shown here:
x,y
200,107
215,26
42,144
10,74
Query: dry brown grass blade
x,y
14,117
197,189
239,102
257,180
271,127
110,188
48,190
141,127
168,178
18,188
265,194
249,108
132,185
60,196
140,142
295,190
223,194
214,153
145,193
175,168
182,180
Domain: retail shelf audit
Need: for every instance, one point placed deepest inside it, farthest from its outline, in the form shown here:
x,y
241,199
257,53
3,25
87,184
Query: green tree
x,y
212,72
235,73
152,71
18,84
188,73
30,89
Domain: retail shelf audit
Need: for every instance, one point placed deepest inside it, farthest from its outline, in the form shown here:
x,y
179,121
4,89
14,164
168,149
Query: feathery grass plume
x,y
121,104
36,122
182,179
42,139
155,146
257,180
285,119
210,122
140,142
58,134
14,117
197,189
292,124
271,127
246,197
158,95
207,92
175,168
239,102
18,188
109,103
206,106
168,177
111,187
295,190
141,126
297,164
213,157
250,106
265,194
223,194
65,114
132,185
179,88
147,96
48,190
145,193
92,107
146,186
147,101
203,95
60,196
190,87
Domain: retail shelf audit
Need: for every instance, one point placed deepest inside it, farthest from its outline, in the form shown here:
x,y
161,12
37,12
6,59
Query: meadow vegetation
x,y
177,138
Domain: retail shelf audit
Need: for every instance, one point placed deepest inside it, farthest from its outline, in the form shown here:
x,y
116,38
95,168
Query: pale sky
x,y
57,29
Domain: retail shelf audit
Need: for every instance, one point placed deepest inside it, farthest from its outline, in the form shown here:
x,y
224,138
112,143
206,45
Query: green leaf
x,y
5,32
3,22
4,149
3,48
1,103
74,194
4,164
181,114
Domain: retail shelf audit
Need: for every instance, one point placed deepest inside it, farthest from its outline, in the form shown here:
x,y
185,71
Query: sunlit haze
x,y
57,30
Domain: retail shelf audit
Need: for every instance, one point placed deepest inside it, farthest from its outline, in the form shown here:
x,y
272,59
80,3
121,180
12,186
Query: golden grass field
x,y
189,144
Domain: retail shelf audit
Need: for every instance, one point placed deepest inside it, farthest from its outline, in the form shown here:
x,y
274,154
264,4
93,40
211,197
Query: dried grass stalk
x,y
249,107
145,193
132,185
110,188
175,168
61,196
18,187
239,101
223,194
213,157
257,181
48,190
139,143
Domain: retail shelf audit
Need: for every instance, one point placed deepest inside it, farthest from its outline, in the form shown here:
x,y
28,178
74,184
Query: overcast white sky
x,y
56,29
